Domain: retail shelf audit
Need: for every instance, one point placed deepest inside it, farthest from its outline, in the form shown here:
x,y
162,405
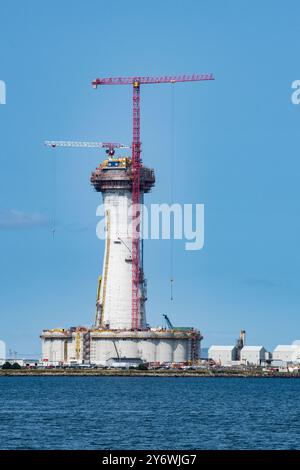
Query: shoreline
x,y
142,373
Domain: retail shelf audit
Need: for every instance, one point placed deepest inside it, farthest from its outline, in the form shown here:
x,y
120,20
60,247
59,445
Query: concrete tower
x,y
113,178
113,337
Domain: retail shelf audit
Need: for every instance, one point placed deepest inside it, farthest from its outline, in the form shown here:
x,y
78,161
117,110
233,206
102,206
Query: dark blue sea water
x,y
149,413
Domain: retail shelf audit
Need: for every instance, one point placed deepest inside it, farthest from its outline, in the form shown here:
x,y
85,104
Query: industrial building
x,y
112,334
120,329
238,354
287,353
227,355
222,355
253,355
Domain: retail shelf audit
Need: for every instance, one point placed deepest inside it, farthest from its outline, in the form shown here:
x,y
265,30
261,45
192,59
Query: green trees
x,y
8,365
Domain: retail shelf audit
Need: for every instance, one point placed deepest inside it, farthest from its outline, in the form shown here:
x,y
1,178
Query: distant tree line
x,y
8,365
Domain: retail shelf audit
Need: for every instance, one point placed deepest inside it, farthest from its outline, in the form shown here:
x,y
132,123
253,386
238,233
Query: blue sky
x,y
236,151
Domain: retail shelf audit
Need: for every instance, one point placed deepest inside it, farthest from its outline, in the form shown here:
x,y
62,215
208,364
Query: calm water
x,y
149,413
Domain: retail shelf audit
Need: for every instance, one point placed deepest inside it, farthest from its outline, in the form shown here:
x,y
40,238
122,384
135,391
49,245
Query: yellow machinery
x,y
118,162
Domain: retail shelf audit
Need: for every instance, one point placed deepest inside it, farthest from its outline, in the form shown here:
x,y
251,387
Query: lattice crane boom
x,y
152,80
110,146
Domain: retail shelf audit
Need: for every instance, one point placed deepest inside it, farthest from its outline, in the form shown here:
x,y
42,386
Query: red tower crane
x,y
136,165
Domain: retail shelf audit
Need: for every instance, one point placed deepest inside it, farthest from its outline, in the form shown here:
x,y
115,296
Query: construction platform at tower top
x,y
112,335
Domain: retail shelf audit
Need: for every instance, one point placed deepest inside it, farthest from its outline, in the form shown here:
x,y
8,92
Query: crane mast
x,y
136,211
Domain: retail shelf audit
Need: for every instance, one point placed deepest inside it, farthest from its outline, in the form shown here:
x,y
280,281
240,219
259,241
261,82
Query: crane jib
x,y
152,80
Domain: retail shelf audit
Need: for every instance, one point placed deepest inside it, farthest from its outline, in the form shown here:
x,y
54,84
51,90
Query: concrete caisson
x,y
159,346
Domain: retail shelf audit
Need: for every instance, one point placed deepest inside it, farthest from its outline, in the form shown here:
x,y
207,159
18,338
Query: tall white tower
x,y
113,179
114,337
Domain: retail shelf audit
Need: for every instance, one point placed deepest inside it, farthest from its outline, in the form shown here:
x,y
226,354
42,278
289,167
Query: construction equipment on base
x,y
169,324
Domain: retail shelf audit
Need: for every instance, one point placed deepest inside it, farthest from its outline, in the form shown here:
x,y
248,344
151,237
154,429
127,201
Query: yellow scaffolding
x,y
107,252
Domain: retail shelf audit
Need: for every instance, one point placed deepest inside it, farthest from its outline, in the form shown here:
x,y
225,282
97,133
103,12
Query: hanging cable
x,y
53,209
172,179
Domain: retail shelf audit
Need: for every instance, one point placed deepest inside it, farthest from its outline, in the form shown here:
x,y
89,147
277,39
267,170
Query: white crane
x,y
109,146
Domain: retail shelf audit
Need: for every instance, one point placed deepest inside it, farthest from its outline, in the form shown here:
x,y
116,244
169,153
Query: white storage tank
x,y
56,350
127,348
102,349
71,349
148,350
181,350
165,350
